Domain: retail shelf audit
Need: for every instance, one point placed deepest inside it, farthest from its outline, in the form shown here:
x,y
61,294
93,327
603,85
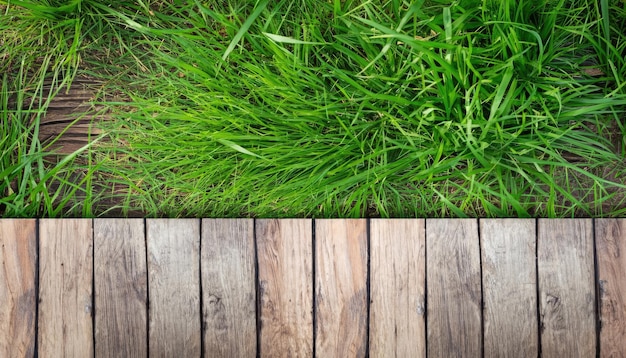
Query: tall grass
x,y
346,108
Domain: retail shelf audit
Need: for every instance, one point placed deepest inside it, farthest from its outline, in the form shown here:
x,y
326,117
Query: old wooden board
x,y
453,288
611,251
341,255
397,286
174,287
65,288
18,267
121,288
509,287
286,287
228,288
566,288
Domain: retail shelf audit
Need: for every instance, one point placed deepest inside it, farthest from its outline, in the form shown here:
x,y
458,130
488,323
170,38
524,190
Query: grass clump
x,y
377,108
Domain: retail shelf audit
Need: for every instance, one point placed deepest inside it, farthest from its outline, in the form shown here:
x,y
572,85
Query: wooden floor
x,y
301,288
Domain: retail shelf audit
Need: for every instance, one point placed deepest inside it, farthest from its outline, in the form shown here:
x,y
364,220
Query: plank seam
x,y
36,350
93,287
145,247
257,289
368,286
202,322
596,277
482,293
313,277
425,288
538,303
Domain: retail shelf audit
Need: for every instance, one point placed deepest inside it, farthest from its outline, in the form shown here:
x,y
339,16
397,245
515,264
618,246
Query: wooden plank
x,y
120,282
18,295
65,285
397,285
454,288
509,287
610,244
566,288
341,287
285,257
228,288
174,287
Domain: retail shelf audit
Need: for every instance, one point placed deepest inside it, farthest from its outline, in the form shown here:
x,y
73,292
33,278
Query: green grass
x,y
328,109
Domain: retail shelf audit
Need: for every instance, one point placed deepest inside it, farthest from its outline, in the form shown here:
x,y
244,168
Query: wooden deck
x,y
301,288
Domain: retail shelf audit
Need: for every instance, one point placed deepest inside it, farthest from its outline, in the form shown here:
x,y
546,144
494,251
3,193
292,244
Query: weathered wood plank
x,y
174,287
341,287
397,285
509,287
120,283
286,287
610,247
65,285
18,295
454,288
566,288
228,288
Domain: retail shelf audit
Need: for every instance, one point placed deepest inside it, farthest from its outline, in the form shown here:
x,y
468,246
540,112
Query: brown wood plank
x,y
610,245
285,256
174,287
65,285
18,265
397,285
566,288
454,288
509,287
120,281
228,288
341,287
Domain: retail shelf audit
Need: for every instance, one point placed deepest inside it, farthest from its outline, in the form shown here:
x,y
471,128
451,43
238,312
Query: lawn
x,y
493,108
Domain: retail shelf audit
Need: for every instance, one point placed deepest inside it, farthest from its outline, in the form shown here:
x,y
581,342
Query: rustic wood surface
x,y
228,288
341,287
174,287
286,287
453,288
18,294
120,288
65,288
610,245
397,285
566,288
509,287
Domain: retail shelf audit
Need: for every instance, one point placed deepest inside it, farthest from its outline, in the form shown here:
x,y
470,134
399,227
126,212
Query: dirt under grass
x,y
314,109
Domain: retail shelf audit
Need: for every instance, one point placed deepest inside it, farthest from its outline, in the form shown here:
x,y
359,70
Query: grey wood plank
x,y
65,288
18,295
121,288
611,251
453,288
566,288
228,288
397,286
509,287
174,287
341,255
286,287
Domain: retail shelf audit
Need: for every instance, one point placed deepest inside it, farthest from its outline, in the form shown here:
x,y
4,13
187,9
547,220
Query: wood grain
x,y
610,245
65,288
174,287
228,288
509,287
18,295
454,288
120,282
397,285
566,288
286,287
341,287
